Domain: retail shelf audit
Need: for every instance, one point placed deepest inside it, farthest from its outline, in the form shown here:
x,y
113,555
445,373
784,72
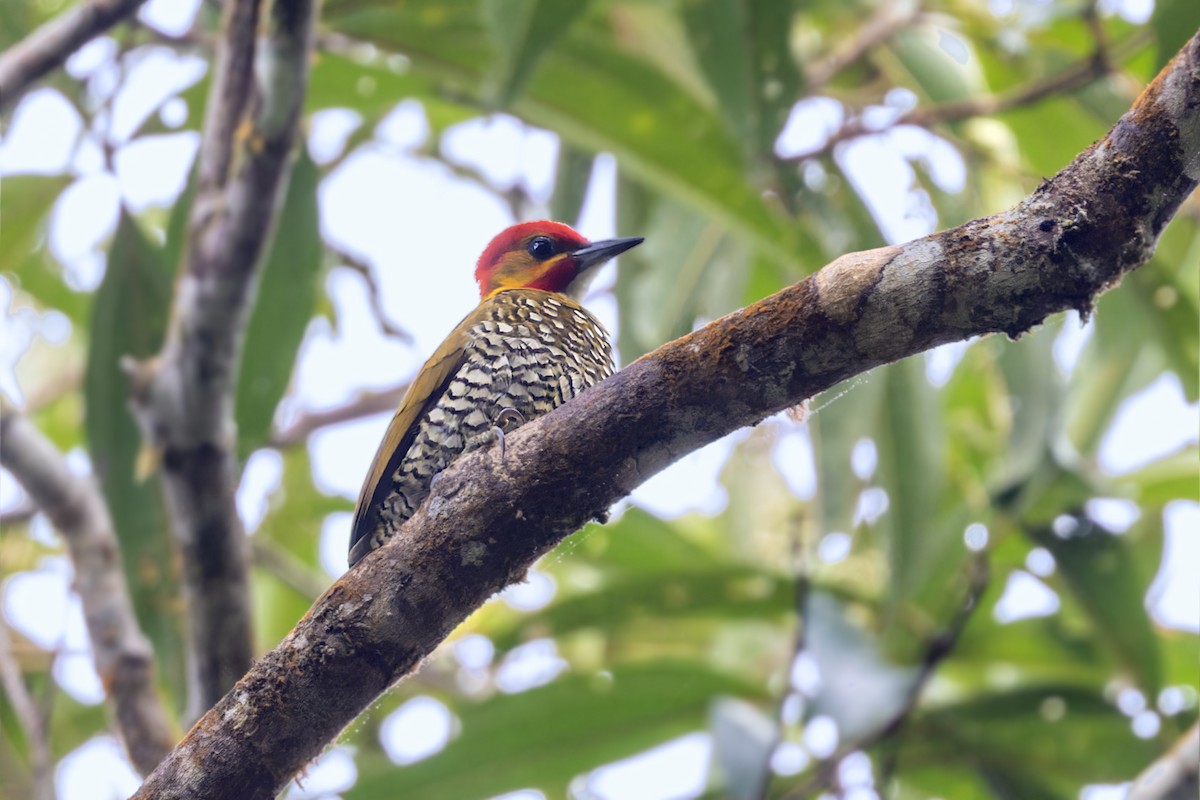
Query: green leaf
x,y
990,655
1033,650
621,604
297,509
909,439
1181,653
25,205
285,301
175,235
925,54
1074,129
743,50
598,99
1174,22
977,423
544,737
939,780
718,30
1007,785
524,30
1102,571
1166,293
1035,397
1113,366
1061,736
369,85
639,543
859,687
292,525
689,270
61,420
16,20
836,424
1031,479
571,180
846,222
25,202
129,318
1172,477
744,737
42,277
603,100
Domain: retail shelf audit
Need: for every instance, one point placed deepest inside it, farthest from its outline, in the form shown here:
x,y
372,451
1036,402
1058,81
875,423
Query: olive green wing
x,y
421,396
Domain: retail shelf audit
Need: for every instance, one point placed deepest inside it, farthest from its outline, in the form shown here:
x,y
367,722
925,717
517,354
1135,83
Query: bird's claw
x,y
506,416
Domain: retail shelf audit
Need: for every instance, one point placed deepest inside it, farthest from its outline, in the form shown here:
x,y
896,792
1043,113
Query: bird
x,y
527,348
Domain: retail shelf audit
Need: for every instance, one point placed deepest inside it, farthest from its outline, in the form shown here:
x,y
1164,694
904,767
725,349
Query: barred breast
x,y
525,350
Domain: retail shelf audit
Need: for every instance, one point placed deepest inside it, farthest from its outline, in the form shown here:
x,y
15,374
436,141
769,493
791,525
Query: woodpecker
x,y
527,348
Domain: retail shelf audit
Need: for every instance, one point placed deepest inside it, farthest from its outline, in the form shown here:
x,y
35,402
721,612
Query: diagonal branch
x,y
25,710
1176,775
1073,77
936,652
890,18
122,654
487,519
48,47
364,405
184,398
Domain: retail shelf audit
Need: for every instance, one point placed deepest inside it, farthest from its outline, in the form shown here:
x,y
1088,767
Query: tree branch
x,y
1074,77
288,568
363,405
29,719
1176,775
487,520
18,514
183,399
123,656
374,295
48,47
890,18
935,653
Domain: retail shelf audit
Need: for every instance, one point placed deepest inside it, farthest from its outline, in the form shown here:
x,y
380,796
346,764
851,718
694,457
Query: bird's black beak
x,y
596,253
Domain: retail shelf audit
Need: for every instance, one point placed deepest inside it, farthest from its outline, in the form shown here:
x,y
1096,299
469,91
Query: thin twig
x,y
48,47
47,392
374,296
1074,77
122,654
364,405
288,568
935,652
1095,25
19,514
515,196
108,144
26,712
1176,775
803,590
890,18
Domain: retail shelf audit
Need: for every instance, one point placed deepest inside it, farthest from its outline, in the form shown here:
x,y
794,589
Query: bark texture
x,y
486,521
1175,776
183,399
49,46
122,654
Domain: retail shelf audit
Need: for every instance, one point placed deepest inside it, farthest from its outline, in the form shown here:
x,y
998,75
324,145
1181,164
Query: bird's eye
x,y
541,248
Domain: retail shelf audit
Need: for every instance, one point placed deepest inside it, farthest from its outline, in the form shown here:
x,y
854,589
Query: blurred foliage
x,y
662,627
